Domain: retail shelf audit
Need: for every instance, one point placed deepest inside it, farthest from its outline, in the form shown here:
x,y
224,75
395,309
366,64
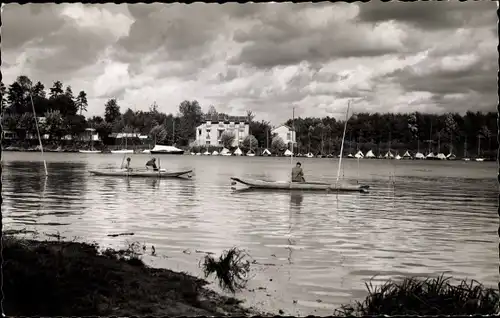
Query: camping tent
x,y
359,154
215,153
407,155
266,152
288,153
238,152
370,155
441,156
389,155
419,155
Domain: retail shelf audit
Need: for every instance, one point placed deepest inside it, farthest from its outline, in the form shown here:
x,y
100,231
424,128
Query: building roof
x,y
225,118
286,126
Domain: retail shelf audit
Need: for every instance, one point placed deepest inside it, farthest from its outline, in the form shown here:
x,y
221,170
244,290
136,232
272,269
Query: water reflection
x,y
296,199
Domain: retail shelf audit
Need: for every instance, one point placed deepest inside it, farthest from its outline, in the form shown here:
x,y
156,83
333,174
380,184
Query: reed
x,y
430,296
231,270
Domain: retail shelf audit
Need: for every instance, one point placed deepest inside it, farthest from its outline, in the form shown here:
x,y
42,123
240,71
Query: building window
x,y
208,143
220,134
208,136
288,136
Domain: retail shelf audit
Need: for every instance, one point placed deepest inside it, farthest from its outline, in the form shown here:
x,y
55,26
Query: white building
x,y
286,133
210,131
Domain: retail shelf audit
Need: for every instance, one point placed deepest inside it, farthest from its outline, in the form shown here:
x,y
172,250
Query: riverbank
x,y
76,279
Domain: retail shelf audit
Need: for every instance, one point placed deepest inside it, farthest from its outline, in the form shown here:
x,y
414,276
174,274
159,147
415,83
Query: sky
x,y
267,58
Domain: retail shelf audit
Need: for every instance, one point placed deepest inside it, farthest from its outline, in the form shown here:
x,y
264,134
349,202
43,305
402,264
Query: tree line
x,y
63,112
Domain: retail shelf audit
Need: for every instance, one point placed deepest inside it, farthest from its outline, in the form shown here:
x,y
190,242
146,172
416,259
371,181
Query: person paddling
x,y
152,163
297,173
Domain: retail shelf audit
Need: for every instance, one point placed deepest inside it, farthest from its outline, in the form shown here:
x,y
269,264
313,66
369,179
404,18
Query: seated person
x,y
297,173
127,165
152,163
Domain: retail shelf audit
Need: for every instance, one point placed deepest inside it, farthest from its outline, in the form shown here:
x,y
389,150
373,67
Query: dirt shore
x,y
55,278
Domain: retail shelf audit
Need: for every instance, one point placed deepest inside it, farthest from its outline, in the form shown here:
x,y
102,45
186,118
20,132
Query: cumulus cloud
x,y
268,57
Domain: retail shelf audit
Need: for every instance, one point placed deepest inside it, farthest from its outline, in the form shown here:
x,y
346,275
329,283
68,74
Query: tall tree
x,y
191,116
16,99
111,111
212,111
227,139
81,102
56,90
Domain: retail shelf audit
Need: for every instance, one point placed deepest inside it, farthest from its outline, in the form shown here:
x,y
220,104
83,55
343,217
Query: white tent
x,y
359,154
350,155
419,155
266,152
430,156
441,156
288,153
250,153
225,152
407,155
215,153
398,157
389,155
206,153
309,155
165,148
238,152
451,156
370,154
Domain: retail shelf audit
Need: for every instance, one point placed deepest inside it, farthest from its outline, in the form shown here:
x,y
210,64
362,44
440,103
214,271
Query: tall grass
x,y
230,269
431,296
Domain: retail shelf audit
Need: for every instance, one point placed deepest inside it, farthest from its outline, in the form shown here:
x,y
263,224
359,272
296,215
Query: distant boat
x,y
419,156
89,151
250,153
430,156
122,151
225,152
349,156
166,150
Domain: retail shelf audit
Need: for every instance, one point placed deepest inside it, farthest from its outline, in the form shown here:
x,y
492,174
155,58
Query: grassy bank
x,y
55,278
60,278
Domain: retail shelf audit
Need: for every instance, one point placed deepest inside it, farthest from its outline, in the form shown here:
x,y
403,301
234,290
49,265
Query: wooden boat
x,y
311,186
89,151
162,173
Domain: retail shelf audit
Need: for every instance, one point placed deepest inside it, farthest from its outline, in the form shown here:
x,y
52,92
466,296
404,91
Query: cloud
x,y
266,57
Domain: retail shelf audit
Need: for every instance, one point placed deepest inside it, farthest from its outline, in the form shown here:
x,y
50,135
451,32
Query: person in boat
x,y
297,173
127,165
152,163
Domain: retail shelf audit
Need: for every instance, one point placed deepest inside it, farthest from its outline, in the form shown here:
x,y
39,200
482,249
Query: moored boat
x,y
89,151
122,151
162,173
310,186
166,150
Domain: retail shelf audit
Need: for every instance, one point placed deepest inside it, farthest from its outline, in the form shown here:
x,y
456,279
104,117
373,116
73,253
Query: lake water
x,y
314,251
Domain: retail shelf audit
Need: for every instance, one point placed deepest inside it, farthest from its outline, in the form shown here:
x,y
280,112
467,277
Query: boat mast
x,y
478,146
38,132
343,138
293,130
173,130
465,147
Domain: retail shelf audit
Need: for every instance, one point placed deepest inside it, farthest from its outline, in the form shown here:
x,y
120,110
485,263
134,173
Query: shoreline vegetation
x,y
59,114
69,278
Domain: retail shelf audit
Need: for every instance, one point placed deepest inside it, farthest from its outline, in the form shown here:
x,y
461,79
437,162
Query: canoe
x,y
89,151
286,185
140,173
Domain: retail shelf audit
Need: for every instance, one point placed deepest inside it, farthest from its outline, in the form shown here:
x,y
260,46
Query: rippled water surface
x,y
318,249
